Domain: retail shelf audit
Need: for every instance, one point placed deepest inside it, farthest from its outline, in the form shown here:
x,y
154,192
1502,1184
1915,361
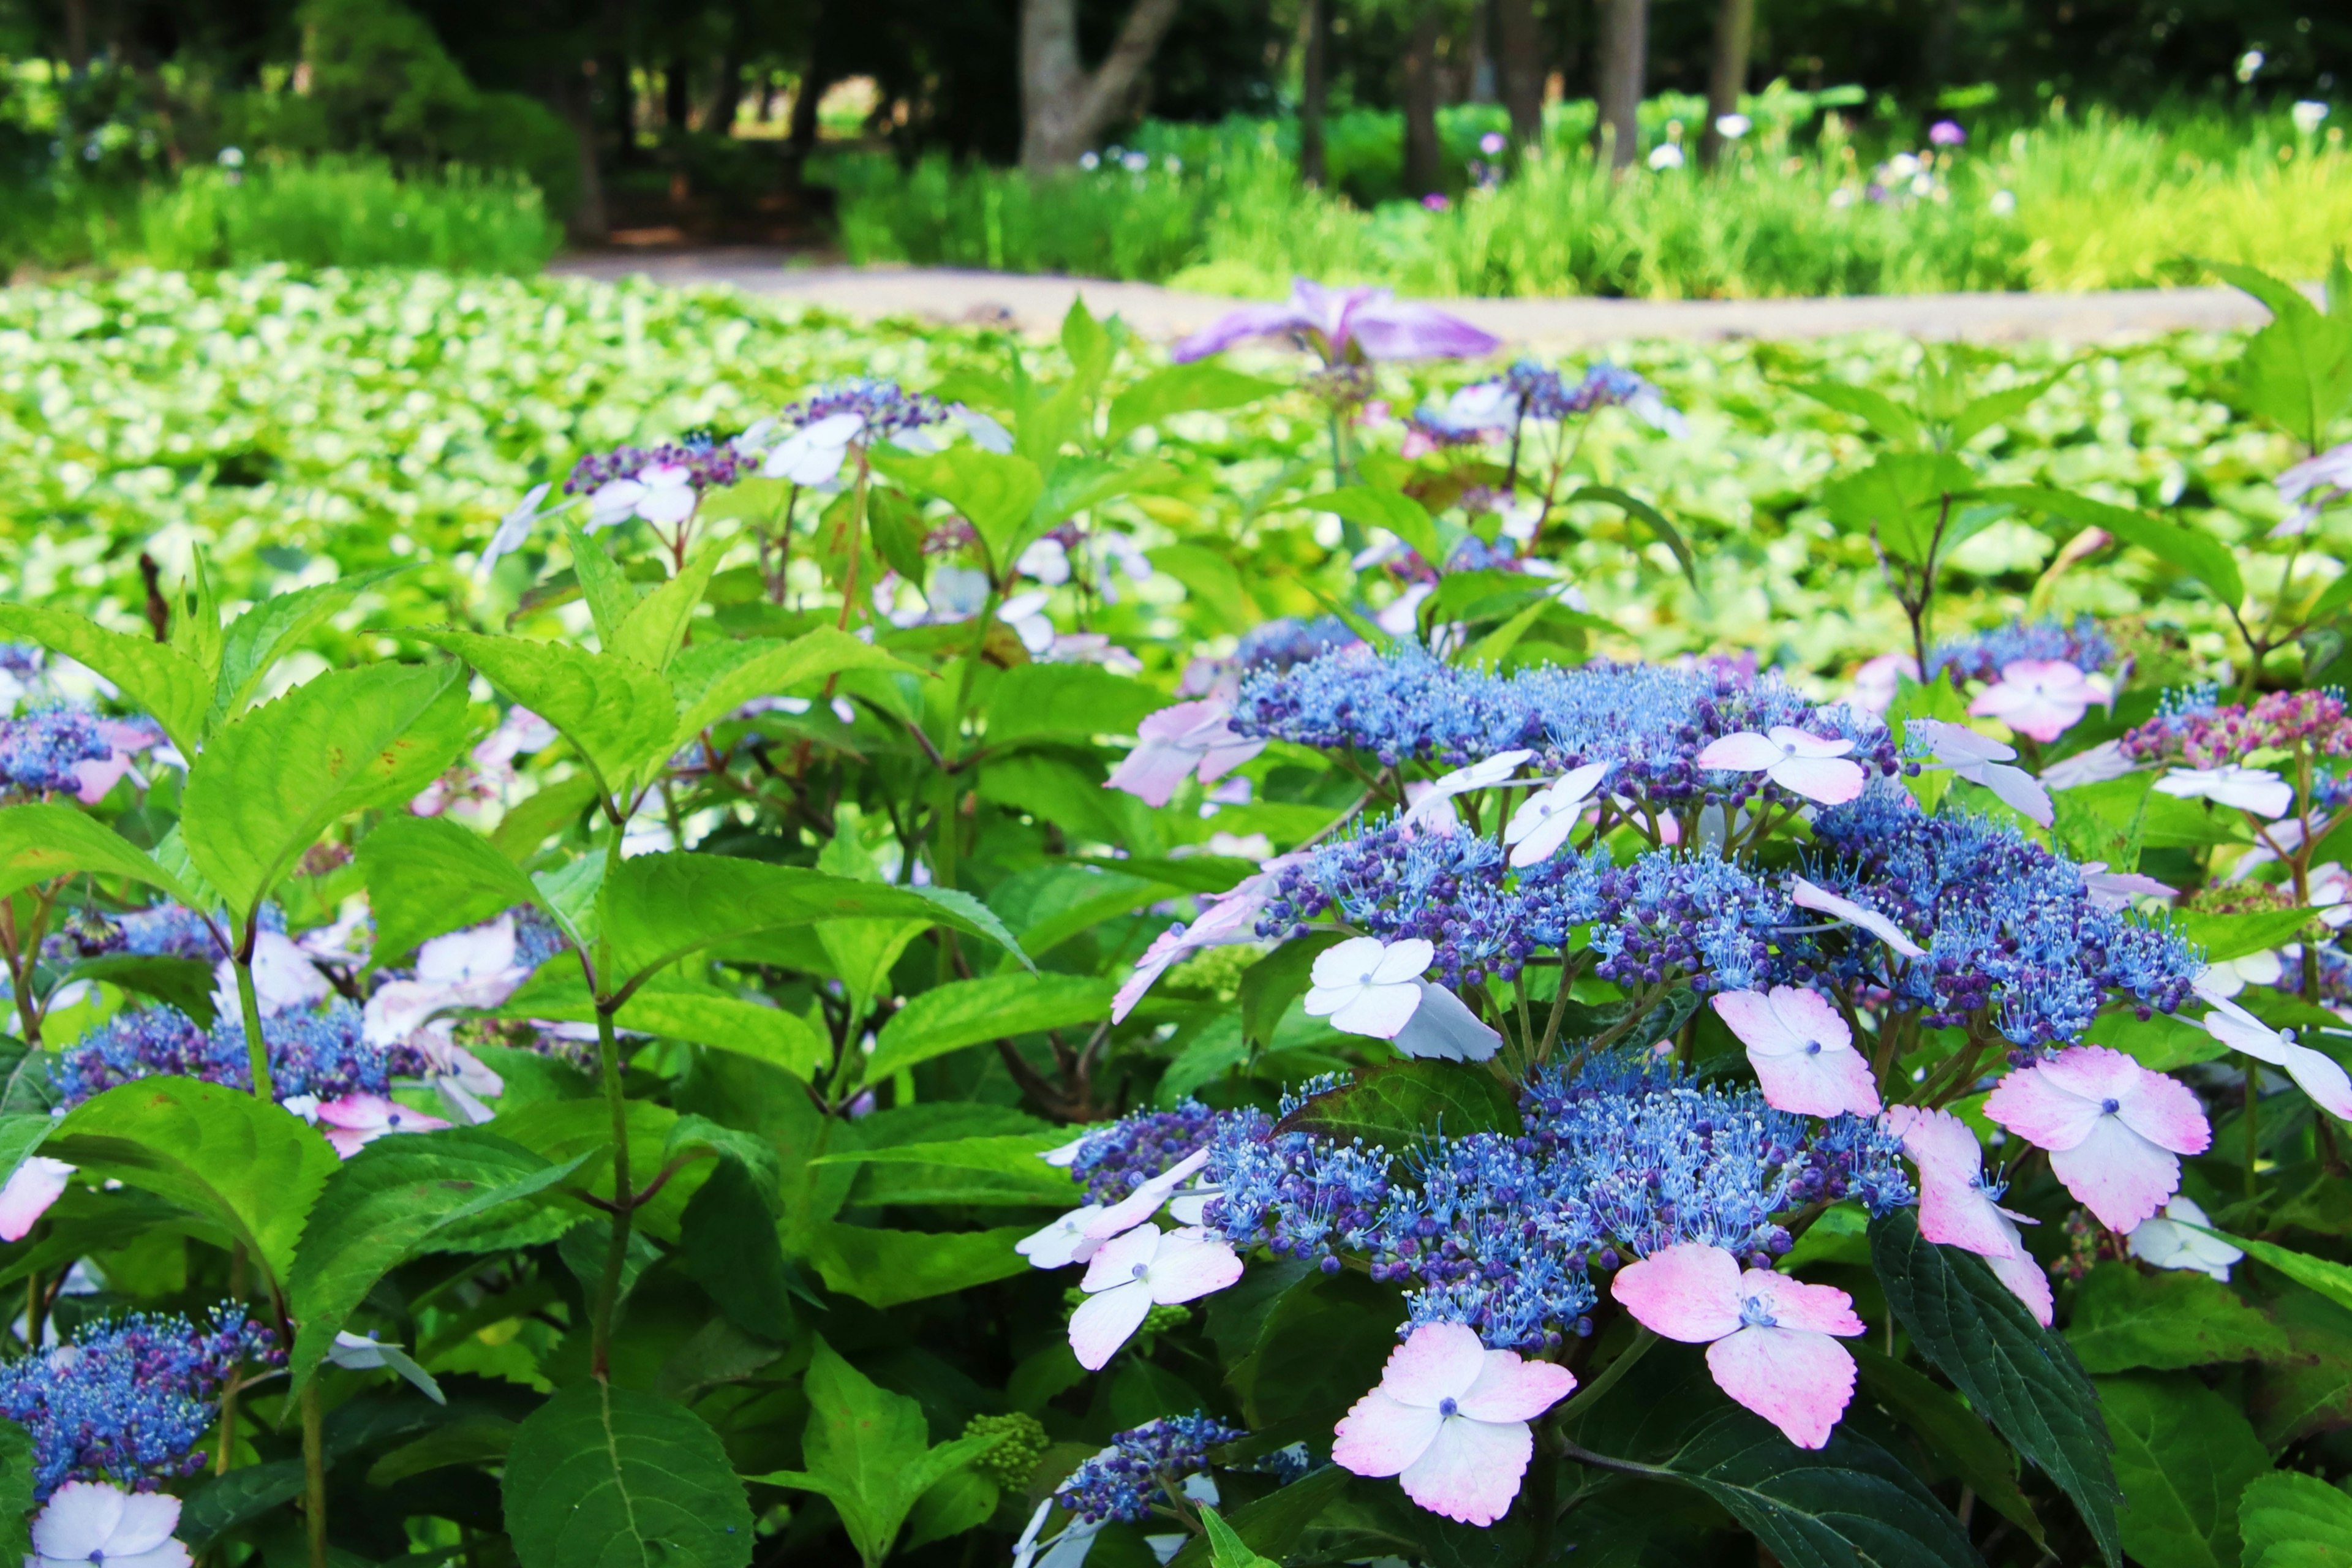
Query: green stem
x,y
256,1048
608,1060
314,1473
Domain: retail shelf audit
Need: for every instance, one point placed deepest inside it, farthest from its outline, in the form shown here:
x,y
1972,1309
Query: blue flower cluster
x,y
2008,925
126,1401
1281,643
1649,721
1546,393
889,409
1120,1158
1621,1154
175,931
1980,657
1123,1481
39,748
318,1052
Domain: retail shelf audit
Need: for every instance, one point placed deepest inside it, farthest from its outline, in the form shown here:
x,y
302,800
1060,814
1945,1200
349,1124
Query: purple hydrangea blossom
x,y
889,409
321,1053
39,748
709,465
1120,1158
127,1401
1125,1480
1982,655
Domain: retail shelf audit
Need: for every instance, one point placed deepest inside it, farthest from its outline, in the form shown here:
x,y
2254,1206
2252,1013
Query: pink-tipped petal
x,y
1121,1259
1192,1264
1806,896
2031,1103
32,1187
2117,1174
1380,1435
1822,1309
2026,1281
1165,951
1511,1389
1831,780
1937,1141
1688,1293
1437,1361
1821,1081
2166,1112
1798,1380
1103,1322
1958,1214
1471,1470
1745,752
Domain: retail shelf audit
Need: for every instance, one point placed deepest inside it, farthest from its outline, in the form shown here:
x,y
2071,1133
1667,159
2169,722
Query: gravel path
x,y
1036,304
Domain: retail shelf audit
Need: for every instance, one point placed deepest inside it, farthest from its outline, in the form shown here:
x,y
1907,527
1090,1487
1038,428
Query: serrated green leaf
x,y
186,983
1395,1105
426,877
610,594
654,628
618,715
2199,554
253,1168
257,639
1889,418
2126,1318
1202,386
995,491
2018,1375
176,690
1227,1550
387,1204
41,842
973,1011
1957,1434
2288,1519
1273,1524
1008,1169
712,679
1982,413
890,1268
270,782
1898,500
731,1249
701,1015
220,1504
600,1476
2183,1455
2331,1279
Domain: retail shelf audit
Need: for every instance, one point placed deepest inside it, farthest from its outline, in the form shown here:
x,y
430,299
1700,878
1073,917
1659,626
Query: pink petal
x,y
1688,1293
2117,1174
1103,1322
1937,1141
1152,772
1831,780
32,1187
1512,1389
1797,1379
1745,752
1166,948
1437,1361
1822,1309
1122,1259
1799,744
1806,896
2026,1281
1380,1435
1191,1264
94,779
1958,1214
1821,1080
1760,1025
1472,1471
1251,321
2031,1103
1228,753
348,1141
1444,1026
2019,790
2167,1113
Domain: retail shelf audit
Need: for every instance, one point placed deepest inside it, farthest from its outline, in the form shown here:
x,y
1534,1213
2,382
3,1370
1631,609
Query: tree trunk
x,y
1520,44
77,37
1624,49
1424,175
1314,90
726,95
589,223
677,105
1734,37
1936,49
1064,106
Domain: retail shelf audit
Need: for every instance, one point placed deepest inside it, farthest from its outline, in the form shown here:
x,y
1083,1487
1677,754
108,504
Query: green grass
x,y
2068,203
328,212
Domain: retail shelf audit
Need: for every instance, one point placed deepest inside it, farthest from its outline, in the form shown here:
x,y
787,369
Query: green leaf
x,y
1848,1505
186,983
256,640
619,714
270,782
890,1268
2126,1318
1955,1432
1199,386
426,875
1982,413
866,1450
2288,1519
958,1501
983,1171
2333,1280
1642,512
1898,499
1366,507
731,1251
973,1011
678,1010
1274,1523
253,1168
1052,904
1067,699
223,1503
2283,299
602,1477
2018,1375
1875,409
1227,1550
16,1491
41,842
658,909
2297,373
2183,1454
1209,578
995,491
389,1202
1395,1105
714,678
1270,986
655,625
2235,936
610,594
174,689
2199,554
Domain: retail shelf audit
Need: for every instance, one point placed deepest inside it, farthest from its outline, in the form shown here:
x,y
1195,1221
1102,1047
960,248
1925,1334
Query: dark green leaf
x,y
602,1477
1268,1527
2127,1318
2183,1454
995,491
1067,699
973,1011
1899,500
2018,1374
1395,1105
16,1491
1954,1431
887,1268
731,1251
219,1504
186,983
1271,985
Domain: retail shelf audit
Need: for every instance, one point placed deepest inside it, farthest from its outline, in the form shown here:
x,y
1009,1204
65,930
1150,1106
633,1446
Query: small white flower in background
x,y
2002,203
1901,166
986,432
2115,889
661,493
1026,614
1089,161
231,158
1137,162
1665,155
95,1524
1732,127
2166,1241
2249,65
813,454
1366,986
1981,760
366,1354
1437,798
2257,789
2317,1074
1545,819
516,526
2307,113
1046,561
